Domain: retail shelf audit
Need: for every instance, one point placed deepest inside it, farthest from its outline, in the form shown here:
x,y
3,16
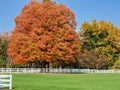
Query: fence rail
x,y
54,70
5,81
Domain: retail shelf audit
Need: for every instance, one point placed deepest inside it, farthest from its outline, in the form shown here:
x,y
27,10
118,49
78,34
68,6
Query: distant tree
x,y
102,37
45,0
4,58
92,60
44,34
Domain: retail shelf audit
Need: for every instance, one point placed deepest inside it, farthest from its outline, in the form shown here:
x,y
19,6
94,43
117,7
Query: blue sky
x,y
85,10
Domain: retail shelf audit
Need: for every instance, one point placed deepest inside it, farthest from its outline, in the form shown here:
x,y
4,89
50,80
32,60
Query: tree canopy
x,y
4,58
102,37
44,32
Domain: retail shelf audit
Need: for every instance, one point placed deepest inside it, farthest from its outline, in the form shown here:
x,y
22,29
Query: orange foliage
x,y
44,32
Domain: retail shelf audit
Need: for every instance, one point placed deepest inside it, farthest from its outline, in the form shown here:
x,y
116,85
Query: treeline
x,y
45,37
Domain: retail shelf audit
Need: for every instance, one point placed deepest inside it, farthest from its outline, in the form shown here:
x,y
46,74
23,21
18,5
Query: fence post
x,y
2,70
10,82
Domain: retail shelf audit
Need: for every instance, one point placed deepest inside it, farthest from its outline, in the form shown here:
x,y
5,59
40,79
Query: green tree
x,y
4,59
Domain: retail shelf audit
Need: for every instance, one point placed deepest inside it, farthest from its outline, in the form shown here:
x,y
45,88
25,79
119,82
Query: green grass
x,y
66,81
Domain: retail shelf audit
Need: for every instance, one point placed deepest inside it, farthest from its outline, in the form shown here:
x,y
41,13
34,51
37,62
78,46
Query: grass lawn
x,y
66,81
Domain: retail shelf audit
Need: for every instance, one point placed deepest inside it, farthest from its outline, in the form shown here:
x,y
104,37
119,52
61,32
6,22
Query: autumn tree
x,y
102,37
91,60
45,0
44,34
117,64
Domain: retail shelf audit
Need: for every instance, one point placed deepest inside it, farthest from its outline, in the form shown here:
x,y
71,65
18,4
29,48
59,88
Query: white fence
x,y
54,70
5,81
